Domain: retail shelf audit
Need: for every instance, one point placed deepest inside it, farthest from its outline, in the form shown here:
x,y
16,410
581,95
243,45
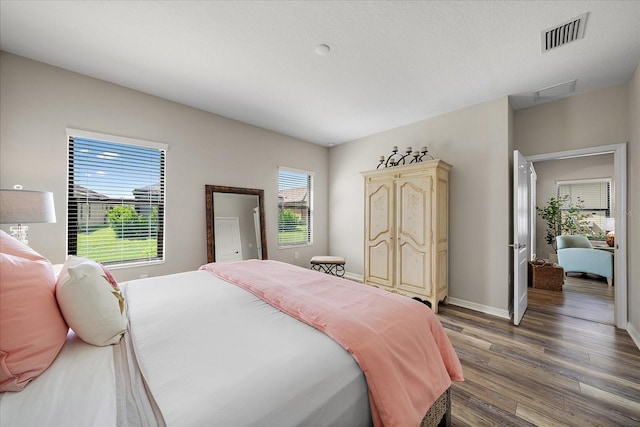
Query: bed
x,y
208,348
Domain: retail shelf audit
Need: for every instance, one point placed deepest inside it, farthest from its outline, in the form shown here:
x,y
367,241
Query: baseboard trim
x,y
634,334
353,276
505,314
479,307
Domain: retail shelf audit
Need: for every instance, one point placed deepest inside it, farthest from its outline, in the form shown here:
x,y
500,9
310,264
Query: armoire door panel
x,y
412,205
442,280
379,228
379,266
413,269
443,218
380,212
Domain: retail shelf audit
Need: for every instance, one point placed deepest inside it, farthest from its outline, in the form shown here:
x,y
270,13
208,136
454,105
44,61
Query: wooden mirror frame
x,y
211,241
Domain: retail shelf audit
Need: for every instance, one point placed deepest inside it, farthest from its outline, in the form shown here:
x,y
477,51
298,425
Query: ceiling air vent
x,y
555,91
564,33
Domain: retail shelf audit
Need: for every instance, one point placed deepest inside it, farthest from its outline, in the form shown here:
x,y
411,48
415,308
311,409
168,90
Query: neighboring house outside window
x,y
116,194
295,207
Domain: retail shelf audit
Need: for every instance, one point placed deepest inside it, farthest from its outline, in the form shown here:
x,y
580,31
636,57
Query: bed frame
x,y
440,412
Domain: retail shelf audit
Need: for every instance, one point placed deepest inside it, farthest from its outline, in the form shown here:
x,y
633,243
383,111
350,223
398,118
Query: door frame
x,y
619,152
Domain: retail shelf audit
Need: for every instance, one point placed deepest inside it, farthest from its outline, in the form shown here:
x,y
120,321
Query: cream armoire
x,y
406,230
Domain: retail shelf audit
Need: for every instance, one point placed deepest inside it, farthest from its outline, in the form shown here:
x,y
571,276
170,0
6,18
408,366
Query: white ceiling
x,y
391,62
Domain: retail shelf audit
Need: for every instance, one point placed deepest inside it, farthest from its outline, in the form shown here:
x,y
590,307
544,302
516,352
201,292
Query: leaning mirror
x,y
235,224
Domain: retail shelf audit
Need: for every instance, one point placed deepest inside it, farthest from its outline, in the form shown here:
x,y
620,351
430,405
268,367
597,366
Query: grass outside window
x,y
103,246
293,238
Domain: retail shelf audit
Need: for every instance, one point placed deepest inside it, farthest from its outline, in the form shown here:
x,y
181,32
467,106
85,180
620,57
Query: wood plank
x,y
632,404
538,418
553,369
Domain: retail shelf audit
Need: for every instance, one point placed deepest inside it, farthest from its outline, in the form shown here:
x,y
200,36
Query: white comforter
x,y
78,389
214,354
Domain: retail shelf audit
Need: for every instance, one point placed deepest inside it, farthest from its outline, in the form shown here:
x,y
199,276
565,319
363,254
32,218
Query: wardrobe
x,y
406,229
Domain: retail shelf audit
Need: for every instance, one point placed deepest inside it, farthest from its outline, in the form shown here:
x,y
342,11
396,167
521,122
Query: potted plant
x,y
562,218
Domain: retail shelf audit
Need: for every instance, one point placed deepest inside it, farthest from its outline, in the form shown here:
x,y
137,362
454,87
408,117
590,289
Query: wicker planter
x,y
545,275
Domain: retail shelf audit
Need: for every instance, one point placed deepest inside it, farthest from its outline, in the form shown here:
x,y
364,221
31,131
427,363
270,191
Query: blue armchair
x,y
575,254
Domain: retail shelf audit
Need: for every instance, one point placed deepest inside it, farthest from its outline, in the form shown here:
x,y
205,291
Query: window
x,y
594,195
116,193
294,207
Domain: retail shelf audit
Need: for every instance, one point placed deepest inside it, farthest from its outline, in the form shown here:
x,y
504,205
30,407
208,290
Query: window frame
x,y
131,142
310,180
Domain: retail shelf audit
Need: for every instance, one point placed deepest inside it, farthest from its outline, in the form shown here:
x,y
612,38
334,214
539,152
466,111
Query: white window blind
x,y
295,210
116,195
594,195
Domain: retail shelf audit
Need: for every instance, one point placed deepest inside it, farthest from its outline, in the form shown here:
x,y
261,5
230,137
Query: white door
x,y
227,242
521,233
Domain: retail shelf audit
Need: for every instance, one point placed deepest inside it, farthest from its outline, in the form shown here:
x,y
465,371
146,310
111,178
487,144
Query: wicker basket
x,y
545,275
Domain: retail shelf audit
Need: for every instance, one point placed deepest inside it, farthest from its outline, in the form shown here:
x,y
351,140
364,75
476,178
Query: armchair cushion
x,y
575,254
573,241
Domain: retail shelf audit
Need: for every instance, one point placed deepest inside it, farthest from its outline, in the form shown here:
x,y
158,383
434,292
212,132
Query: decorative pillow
x,y
91,301
32,329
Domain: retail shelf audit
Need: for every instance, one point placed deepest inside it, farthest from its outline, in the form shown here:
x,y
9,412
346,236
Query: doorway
x,y
586,183
618,212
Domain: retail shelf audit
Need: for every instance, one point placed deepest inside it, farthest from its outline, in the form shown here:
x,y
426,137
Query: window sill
x,y
301,245
134,264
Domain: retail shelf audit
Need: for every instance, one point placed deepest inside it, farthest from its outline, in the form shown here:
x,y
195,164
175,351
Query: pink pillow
x,y
10,246
32,329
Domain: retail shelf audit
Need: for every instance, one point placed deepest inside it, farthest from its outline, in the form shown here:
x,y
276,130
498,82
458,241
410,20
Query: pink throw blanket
x,y
398,342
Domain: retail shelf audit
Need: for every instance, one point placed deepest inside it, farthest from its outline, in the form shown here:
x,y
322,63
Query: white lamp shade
x,y
24,207
609,224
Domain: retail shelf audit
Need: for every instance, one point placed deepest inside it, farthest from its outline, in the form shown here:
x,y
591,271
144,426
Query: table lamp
x,y
20,207
609,224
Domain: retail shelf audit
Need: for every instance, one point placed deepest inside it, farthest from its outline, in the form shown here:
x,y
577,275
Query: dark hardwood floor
x,y
583,296
555,369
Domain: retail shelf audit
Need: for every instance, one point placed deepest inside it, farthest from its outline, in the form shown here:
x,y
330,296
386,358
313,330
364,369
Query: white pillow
x,y
91,302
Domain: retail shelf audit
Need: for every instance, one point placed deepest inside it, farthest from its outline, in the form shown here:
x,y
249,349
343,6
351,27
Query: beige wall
x,y
551,171
39,101
475,141
588,120
633,207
